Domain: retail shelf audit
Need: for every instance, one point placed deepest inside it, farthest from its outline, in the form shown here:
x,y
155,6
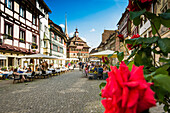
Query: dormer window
x,y
8,3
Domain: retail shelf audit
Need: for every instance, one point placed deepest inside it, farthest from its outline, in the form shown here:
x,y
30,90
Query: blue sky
x,y
90,16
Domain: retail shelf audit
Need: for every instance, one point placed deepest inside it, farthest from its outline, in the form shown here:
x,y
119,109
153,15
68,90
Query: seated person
x,y
29,70
16,73
19,70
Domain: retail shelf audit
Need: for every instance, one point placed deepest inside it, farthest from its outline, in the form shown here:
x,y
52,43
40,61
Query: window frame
x,y
7,4
23,34
23,10
35,39
10,36
34,17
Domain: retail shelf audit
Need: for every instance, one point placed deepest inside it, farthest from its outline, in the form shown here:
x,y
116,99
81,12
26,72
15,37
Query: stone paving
x,y
68,93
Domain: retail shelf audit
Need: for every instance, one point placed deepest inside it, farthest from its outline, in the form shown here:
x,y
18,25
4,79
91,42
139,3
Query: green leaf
x,y
143,57
137,21
160,92
164,44
130,65
150,15
120,56
165,22
100,94
165,108
135,14
109,55
156,24
141,40
102,85
164,60
163,81
166,15
163,70
133,53
149,75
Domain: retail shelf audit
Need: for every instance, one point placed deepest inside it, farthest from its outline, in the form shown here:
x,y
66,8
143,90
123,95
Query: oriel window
x,y
8,3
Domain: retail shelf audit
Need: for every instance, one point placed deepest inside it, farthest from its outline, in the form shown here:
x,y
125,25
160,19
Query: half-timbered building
x,y
19,29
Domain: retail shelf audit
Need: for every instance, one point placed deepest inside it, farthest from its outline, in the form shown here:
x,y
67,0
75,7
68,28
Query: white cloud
x,y
92,30
62,25
71,34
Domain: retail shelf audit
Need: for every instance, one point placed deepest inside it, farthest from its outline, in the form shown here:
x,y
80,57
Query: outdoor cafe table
x,y
7,73
48,72
27,74
38,72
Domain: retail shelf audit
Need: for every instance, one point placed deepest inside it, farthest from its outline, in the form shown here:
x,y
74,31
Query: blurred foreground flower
x,y
105,60
121,37
137,5
130,46
127,92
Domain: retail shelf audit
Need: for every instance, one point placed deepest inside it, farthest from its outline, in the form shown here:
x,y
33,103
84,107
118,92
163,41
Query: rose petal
x,y
133,98
125,96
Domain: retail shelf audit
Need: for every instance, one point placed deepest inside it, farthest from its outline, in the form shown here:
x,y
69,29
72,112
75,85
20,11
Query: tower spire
x,y
66,32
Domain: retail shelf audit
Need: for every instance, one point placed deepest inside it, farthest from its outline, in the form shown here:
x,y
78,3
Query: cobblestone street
x,y
68,93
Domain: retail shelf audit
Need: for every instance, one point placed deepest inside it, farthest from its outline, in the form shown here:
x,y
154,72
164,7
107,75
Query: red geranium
x,y
131,45
127,92
144,4
121,37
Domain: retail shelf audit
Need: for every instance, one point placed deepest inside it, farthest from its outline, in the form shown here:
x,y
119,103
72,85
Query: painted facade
x,y
77,48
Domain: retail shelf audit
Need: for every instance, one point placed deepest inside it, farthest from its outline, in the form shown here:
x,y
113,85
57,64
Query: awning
x,y
39,56
104,53
2,57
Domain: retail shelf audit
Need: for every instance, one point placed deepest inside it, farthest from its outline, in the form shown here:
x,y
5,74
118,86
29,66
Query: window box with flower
x,y
21,40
